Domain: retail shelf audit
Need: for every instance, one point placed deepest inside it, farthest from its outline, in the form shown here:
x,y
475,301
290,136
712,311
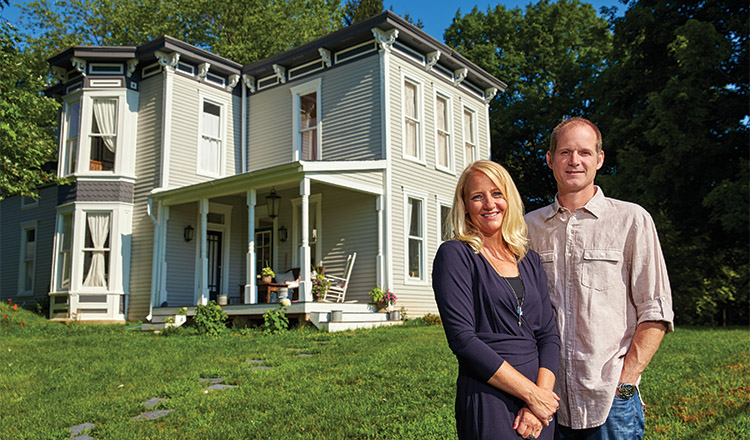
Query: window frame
x,y
422,197
450,167
474,126
223,105
314,86
59,251
69,156
32,225
107,249
419,120
443,202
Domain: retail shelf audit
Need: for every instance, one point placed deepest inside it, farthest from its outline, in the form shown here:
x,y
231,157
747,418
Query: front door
x,y
214,263
263,248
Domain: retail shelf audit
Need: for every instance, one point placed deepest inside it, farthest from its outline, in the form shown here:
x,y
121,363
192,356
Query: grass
x,y
386,383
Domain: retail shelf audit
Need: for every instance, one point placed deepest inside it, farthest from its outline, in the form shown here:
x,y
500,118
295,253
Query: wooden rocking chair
x,y
337,291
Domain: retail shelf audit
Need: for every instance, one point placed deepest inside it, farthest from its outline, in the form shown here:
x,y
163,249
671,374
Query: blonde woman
x,y
492,295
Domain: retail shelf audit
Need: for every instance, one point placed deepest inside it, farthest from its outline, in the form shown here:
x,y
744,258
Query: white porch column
x,y
162,245
251,289
379,262
305,269
203,285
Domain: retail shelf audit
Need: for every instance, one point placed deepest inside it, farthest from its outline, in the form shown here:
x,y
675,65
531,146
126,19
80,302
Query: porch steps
x,y
350,320
162,321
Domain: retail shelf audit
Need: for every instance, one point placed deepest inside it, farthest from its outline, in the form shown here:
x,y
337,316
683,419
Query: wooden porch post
x,y
162,245
251,289
203,285
379,262
305,269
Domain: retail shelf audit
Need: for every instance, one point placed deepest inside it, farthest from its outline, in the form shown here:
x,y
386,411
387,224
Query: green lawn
x,y
387,383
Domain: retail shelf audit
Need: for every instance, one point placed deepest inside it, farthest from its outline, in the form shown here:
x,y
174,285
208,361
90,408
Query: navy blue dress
x,y
478,311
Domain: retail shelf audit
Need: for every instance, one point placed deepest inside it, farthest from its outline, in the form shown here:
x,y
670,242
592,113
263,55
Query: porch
x,y
320,314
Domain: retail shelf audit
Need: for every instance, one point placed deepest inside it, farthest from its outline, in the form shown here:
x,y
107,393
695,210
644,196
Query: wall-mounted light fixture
x,y
272,200
188,233
283,234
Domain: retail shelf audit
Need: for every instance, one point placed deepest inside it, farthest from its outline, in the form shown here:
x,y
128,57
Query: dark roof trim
x,y
189,53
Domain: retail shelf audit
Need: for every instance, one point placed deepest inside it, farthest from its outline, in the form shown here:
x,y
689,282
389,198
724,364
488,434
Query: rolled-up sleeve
x,y
452,283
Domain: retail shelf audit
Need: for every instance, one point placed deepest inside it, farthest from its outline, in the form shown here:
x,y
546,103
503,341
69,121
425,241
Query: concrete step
x,y
341,326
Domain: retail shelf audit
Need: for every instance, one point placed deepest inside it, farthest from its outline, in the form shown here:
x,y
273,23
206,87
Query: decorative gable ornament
x,y
203,70
280,72
131,67
168,60
432,59
249,81
325,54
79,65
460,75
385,39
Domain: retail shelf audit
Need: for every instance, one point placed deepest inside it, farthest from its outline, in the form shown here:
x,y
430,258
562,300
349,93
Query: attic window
x,y
187,68
215,79
105,69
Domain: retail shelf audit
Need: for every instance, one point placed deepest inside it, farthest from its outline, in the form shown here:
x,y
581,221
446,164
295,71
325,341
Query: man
x,y
608,285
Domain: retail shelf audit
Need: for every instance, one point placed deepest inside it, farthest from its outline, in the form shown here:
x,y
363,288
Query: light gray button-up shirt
x,y
606,274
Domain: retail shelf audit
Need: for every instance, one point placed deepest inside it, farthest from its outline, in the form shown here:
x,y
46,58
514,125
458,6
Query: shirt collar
x,y
595,206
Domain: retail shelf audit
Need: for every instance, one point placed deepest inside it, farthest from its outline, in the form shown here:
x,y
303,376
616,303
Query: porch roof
x,y
337,173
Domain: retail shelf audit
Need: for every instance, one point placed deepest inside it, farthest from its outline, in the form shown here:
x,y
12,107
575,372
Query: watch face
x,y
627,390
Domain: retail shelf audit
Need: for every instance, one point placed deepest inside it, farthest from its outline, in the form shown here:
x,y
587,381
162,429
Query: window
x,y
443,142
65,239
412,110
96,250
470,137
72,128
415,238
308,126
306,107
103,134
211,140
28,259
445,227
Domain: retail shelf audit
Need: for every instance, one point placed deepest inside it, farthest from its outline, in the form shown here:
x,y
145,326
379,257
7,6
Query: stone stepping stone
x,y
219,386
75,430
254,361
261,368
150,403
304,355
212,380
153,415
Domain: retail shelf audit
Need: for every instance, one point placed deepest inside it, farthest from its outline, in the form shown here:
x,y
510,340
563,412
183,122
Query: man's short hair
x,y
570,122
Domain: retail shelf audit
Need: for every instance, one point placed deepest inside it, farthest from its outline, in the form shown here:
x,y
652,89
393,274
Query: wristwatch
x,y
626,390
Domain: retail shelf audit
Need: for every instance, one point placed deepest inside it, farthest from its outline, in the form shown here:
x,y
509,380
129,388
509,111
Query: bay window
x,y
103,135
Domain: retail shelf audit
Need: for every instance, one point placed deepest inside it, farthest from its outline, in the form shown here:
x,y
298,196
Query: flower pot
x,y
222,300
337,315
266,280
381,306
394,315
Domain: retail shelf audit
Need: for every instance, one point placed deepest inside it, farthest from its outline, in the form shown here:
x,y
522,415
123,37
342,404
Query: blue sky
x,y
436,15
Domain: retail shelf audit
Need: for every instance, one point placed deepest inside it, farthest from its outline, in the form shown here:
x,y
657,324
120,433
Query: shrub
x,y
432,319
275,320
209,319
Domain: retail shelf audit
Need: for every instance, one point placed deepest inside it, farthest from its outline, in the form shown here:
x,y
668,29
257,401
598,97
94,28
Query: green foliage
x,y
267,272
358,10
673,111
378,295
275,320
432,319
209,319
320,286
549,55
27,121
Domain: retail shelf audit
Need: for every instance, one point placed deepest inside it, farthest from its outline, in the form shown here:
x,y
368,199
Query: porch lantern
x,y
272,200
283,234
188,233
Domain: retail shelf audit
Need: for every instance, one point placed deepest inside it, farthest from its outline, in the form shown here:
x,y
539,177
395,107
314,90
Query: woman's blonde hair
x,y
514,229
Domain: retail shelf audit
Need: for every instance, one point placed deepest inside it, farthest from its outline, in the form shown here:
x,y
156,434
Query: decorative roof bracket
x,y
432,59
385,39
168,60
280,72
460,75
131,67
79,65
489,94
203,70
325,54
233,80
249,81
60,73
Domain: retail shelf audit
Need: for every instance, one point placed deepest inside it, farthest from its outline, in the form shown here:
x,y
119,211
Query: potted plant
x,y
266,275
320,286
382,298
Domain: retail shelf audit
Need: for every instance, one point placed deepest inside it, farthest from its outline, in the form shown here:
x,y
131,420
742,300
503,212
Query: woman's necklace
x,y
519,298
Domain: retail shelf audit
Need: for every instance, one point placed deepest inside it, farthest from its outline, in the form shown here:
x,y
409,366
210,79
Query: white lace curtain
x,y
99,229
105,112
410,111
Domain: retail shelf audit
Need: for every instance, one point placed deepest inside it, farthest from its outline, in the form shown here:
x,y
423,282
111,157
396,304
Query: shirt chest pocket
x,y
602,269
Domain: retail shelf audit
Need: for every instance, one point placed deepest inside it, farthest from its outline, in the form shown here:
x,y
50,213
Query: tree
x,y
549,55
27,122
674,114
358,10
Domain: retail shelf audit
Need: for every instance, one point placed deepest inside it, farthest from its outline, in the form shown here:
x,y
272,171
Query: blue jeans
x,y
624,422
